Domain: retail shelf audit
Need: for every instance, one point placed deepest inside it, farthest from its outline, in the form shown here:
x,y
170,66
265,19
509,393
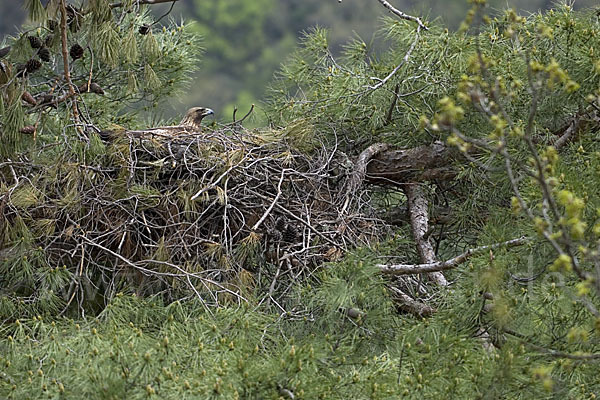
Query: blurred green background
x,y
245,41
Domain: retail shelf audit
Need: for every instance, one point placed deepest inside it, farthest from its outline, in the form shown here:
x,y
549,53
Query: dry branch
x,y
410,269
419,222
408,304
402,15
360,169
65,56
423,163
140,2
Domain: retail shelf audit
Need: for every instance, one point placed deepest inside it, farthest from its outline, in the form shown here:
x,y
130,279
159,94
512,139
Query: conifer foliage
x,y
76,68
452,176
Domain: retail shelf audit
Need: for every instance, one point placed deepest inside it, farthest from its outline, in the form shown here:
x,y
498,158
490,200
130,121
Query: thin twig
x,y
266,214
140,2
404,60
402,15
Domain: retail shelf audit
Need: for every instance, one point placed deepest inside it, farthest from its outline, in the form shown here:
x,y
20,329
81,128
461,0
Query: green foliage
x,y
497,93
115,57
139,348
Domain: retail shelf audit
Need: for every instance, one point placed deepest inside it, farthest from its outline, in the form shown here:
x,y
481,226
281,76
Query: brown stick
x,y
360,170
412,306
65,55
388,118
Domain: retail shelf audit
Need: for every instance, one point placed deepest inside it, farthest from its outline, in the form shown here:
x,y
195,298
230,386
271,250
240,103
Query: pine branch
x,y
412,306
551,352
404,60
360,170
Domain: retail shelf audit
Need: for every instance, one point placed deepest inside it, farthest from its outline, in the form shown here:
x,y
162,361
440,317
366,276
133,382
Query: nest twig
x,y
217,215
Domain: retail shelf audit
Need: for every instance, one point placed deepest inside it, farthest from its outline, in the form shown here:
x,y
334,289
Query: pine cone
x,y
48,40
280,224
35,42
93,88
44,54
144,29
47,100
52,25
32,65
28,129
76,51
290,234
27,97
276,236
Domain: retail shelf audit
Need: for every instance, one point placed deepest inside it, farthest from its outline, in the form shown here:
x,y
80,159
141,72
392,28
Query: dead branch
x,y
397,68
419,222
408,304
140,2
410,269
423,163
402,15
577,123
65,55
360,170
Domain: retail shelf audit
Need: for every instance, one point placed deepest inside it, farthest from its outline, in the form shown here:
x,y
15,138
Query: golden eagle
x,y
190,124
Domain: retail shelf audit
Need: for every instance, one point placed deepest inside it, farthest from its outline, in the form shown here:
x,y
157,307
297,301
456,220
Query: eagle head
x,y
193,117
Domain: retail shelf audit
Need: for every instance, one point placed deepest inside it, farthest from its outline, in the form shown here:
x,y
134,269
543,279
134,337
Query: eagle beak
x,y
208,111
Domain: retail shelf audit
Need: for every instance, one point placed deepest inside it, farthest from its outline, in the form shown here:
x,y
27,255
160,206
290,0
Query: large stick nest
x,y
218,215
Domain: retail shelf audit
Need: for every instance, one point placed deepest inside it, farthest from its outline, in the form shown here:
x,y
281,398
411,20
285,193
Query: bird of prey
x,y
190,124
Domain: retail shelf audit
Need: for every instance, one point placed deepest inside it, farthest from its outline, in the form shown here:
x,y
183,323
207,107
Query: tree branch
x,y
402,15
410,305
140,2
410,269
418,164
65,55
360,170
419,222
404,60
554,353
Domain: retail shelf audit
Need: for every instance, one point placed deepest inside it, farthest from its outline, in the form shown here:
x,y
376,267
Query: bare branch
x,y
554,353
419,222
402,15
410,305
410,269
360,170
140,2
266,214
404,60
65,55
